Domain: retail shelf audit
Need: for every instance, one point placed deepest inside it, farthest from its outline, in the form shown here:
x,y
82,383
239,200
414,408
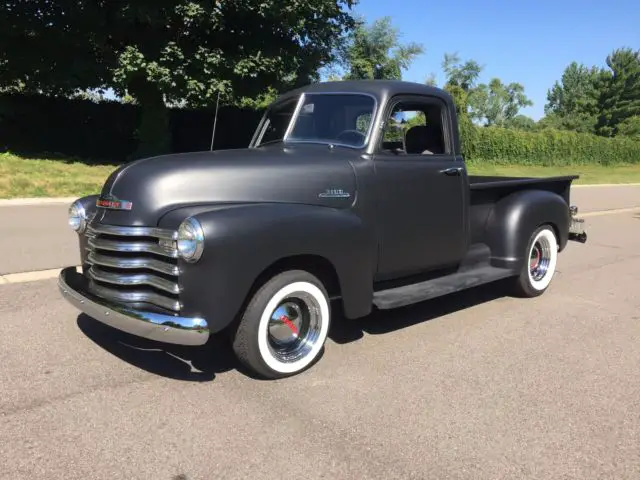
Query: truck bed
x,y
483,182
486,191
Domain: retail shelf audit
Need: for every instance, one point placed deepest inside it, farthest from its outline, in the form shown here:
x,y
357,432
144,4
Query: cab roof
x,y
380,89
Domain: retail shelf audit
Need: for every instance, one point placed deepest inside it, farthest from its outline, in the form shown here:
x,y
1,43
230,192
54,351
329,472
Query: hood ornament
x,y
113,203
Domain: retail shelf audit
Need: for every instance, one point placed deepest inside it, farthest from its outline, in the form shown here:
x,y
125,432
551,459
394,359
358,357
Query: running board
x,y
419,292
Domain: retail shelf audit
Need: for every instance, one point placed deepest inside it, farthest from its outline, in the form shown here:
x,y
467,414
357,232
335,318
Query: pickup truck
x,y
350,192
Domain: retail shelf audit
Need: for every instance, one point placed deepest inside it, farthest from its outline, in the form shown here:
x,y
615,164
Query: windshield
x,y
339,119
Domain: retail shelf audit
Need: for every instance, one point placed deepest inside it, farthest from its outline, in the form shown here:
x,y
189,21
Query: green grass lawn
x,y
589,174
31,177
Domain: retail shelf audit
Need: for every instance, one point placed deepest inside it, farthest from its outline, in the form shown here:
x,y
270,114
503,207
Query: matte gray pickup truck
x,y
353,192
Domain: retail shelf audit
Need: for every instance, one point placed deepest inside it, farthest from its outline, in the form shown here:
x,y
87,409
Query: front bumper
x,y
154,326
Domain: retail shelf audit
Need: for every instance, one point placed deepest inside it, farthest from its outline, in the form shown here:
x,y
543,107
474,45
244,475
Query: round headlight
x,y
190,240
77,217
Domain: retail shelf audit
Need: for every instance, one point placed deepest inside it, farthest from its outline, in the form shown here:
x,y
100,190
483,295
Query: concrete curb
x,y
24,277
593,185
20,202
613,211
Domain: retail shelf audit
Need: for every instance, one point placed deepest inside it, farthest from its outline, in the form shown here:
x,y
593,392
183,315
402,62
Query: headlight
x,y
190,240
77,217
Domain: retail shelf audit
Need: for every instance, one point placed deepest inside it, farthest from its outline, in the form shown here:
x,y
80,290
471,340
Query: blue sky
x,y
530,42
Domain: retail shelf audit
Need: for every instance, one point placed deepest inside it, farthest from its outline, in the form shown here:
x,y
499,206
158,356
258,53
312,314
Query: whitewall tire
x,y
285,325
539,267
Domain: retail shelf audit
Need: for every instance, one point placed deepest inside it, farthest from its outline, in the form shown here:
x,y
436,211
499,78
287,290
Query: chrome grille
x,y
134,265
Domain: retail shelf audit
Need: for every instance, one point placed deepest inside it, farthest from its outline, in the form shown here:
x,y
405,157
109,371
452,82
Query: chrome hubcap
x,y
294,327
540,259
285,323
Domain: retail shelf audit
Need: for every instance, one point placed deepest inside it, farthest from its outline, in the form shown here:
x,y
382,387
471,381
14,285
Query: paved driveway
x,y
471,386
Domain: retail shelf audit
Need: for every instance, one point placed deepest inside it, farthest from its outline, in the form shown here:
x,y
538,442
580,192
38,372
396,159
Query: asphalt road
x,y
471,386
38,237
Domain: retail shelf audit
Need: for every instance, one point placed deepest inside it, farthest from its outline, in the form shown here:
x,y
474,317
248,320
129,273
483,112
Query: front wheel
x,y
285,325
540,263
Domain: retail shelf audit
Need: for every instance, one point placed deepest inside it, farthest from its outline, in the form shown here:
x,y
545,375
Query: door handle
x,y
454,171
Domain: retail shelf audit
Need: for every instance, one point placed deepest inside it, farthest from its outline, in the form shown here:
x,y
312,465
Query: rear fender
x,y
515,217
242,241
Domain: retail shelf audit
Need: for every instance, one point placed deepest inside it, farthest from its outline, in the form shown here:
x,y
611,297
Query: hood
x,y
152,187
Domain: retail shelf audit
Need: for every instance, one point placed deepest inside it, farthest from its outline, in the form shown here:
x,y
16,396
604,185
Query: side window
x,y
415,128
278,118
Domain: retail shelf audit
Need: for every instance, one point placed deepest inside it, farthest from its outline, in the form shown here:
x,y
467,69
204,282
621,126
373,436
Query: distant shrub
x,y
547,147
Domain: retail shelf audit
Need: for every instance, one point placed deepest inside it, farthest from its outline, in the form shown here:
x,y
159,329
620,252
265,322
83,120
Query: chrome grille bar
x,y
117,274
134,280
134,297
131,247
132,263
133,231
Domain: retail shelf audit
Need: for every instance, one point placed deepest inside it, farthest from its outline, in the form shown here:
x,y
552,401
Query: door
x,y
420,190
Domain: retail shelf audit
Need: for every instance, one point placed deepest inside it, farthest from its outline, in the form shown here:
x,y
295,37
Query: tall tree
x,y
573,103
620,97
463,75
497,103
376,52
460,80
166,51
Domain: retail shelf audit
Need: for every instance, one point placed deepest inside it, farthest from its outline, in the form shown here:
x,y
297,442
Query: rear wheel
x,y
285,325
540,265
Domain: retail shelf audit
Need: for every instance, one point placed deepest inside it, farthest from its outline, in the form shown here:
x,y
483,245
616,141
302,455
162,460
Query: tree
x,y
573,103
431,80
520,122
375,52
460,80
620,96
463,75
164,51
595,99
497,103
630,127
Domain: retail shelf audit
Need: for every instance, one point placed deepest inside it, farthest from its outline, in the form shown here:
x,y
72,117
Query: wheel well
x,y
314,264
554,228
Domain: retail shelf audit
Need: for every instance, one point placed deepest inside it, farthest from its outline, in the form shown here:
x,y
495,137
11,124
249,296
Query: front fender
x,y
515,217
241,241
89,204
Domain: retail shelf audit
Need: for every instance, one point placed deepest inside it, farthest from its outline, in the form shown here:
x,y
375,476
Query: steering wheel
x,y
358,140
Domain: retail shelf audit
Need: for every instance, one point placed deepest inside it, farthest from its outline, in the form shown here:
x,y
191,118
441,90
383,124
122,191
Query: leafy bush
x,y
548,147
37,125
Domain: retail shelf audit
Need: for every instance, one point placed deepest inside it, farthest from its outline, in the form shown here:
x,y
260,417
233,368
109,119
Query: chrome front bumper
x,y
161,328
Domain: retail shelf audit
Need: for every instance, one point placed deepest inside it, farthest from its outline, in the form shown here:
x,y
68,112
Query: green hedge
x,y
34,125
37,125
547,147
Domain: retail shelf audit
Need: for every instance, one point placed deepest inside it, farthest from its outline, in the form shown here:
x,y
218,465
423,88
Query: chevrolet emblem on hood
x,y
113,203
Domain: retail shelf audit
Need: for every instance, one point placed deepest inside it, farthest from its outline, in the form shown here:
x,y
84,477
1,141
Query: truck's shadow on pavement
x,y
195,364
201,364
385,321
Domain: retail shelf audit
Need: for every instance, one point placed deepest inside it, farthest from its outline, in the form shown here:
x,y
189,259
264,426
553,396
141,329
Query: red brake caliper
x,y
284,319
